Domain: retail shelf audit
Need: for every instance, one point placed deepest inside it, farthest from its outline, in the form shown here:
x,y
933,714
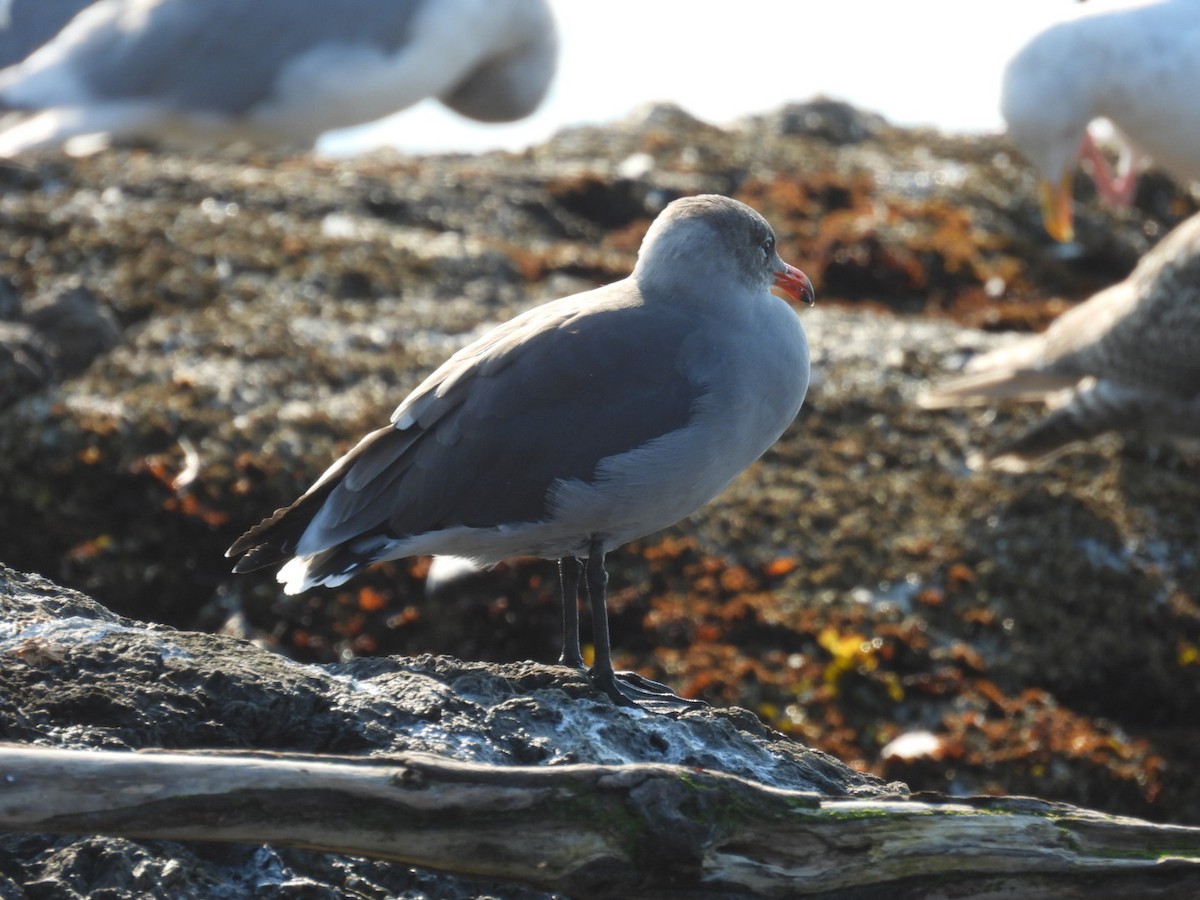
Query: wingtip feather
x,y
986,387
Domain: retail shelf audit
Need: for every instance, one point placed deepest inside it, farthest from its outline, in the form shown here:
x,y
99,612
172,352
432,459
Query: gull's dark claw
x,y
630,689
657,690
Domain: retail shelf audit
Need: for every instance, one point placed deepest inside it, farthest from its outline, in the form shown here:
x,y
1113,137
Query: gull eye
x,y
768,247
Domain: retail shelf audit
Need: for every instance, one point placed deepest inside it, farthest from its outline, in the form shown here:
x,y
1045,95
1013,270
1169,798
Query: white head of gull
x,y
1133,62
574,428
271,72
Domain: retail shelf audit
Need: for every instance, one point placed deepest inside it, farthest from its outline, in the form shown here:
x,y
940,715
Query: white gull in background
x,y
1127,359
574,428
1136,64
272,71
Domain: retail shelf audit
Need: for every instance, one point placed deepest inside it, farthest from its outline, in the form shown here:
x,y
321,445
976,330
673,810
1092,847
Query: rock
x,y
834,121
74,675
26,363
856,583
75,325
10,301
55,336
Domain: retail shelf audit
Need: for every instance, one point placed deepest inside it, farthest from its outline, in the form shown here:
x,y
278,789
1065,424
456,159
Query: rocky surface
x,y
1034,634
73,675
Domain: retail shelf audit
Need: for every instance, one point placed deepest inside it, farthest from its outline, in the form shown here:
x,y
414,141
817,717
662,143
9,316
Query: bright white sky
x,y
918,62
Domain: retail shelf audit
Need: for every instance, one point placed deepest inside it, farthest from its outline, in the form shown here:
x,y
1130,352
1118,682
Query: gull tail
x,y
327,557
329,567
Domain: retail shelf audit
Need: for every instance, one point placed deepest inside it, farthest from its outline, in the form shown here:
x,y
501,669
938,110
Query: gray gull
x,y
1127,360
574,428
271,72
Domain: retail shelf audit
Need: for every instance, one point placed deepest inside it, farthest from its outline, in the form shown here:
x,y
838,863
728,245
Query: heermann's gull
x,y
575,427
1137,65
273,71
1126,360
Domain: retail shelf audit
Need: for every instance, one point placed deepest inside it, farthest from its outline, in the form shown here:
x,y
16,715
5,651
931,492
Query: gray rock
x,y
74,675
75,325
10,301
52,337
833,121
26,363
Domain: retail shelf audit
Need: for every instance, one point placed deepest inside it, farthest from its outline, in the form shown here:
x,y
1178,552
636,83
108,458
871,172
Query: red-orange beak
x,y
795,284
1056,207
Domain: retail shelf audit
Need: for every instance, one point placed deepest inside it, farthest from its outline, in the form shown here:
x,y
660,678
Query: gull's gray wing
x,y
1143,332
226,55
544,398
27,24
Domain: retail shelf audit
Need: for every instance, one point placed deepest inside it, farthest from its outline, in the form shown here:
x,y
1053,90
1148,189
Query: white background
x,y
918,62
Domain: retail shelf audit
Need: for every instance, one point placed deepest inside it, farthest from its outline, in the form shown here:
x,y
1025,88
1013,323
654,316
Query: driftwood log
x,y
595,830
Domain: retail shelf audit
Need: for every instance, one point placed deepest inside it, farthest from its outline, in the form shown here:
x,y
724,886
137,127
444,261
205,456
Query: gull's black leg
x,y
597,584
568,580
625,688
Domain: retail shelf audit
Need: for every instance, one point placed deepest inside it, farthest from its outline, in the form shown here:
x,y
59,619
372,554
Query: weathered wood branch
x,y
593,830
